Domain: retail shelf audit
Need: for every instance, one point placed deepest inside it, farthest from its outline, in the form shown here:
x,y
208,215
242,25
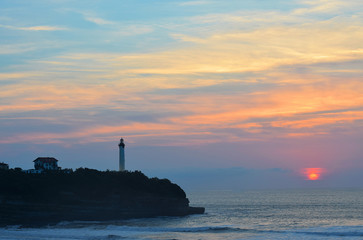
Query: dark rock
x,y
87,195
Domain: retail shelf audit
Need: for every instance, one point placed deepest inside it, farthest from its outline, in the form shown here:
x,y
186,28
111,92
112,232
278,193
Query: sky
x,y
211,94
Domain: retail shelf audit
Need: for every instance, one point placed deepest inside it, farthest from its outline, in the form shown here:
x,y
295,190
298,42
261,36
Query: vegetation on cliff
x,y
84,183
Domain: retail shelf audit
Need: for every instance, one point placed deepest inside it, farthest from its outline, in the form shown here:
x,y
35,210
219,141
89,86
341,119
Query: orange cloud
x,y
44,96
287,108
328,119
308,134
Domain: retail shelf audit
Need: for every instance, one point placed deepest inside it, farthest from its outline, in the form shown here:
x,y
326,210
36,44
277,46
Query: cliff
x,y
85,194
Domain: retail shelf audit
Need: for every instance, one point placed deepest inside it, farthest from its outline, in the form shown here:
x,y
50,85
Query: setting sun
x,y
313,173
313,176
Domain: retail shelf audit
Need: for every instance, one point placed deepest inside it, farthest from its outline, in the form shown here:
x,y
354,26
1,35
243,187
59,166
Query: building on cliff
x,y
4,166
44,164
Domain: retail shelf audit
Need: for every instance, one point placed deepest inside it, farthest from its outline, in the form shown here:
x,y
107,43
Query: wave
x,y
334,234
209,229
181,230
122,226
119,226
340,231
86,231
94,225
101,231
337,231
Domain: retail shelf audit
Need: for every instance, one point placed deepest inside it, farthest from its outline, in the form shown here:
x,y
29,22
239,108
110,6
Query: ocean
x,y
264,214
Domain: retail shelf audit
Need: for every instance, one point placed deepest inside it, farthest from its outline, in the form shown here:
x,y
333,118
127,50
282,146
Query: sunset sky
x,y
208,93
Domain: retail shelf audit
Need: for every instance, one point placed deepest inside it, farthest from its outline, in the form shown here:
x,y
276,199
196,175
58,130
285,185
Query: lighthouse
x,y
121,146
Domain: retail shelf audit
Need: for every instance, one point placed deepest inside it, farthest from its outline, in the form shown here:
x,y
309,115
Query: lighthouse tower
x,y
121,146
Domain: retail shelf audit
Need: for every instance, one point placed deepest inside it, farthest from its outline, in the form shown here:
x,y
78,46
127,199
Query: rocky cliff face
x,y
38,199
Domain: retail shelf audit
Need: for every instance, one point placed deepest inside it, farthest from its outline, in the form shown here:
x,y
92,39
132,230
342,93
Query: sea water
x,y
272,214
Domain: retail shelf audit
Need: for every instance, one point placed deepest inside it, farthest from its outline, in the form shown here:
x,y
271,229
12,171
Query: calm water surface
x,y
278,214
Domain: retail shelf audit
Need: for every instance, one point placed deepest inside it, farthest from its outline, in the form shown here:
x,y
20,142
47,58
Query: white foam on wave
x,y
102,231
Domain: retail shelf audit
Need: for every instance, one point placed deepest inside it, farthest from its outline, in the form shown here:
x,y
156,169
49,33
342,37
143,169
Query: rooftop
x,y
46,159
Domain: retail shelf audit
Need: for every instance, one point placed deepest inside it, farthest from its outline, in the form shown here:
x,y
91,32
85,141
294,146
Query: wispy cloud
x,y
132,30
194,3
98,21
93,17
232,82
17,75
258,49
35,28
324,6
17,48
